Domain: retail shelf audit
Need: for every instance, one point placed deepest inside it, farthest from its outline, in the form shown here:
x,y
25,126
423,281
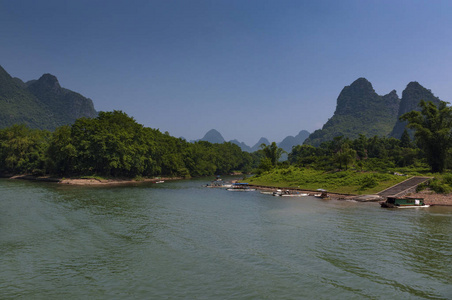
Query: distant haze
x,y
249,69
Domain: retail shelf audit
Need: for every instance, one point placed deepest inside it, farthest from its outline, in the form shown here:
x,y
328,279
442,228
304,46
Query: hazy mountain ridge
x,y
41,103
213,136
291,141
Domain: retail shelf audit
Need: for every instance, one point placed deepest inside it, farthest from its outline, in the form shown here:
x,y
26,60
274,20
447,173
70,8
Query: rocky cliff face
x,y
41,103
411,96
359,110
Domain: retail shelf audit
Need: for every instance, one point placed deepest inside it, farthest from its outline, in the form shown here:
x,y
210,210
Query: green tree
x,y
61,152
272,152
432,125
22,150
345,156
405,141
304,155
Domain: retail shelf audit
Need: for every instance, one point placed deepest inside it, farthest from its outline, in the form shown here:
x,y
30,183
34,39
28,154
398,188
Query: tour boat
x,y
407,202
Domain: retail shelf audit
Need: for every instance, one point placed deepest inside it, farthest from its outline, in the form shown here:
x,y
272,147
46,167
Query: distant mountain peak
x,y
413,85
290,141
263,140
213,136
361,82
49,81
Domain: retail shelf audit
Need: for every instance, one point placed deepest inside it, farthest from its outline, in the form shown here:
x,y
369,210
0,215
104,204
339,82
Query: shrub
x,y
447,179
368,182
421,187
440,187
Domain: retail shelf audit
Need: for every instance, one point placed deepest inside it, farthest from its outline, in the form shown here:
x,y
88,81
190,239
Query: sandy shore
x,y
91,181
432,198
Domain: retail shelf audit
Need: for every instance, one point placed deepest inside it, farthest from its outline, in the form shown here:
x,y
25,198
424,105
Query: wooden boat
x,y
218,183
267,193
407,202
323,195
240,187
287,193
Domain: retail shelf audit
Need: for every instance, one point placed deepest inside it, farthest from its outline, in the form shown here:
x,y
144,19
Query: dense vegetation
x,y
432,132
114,145
367,164
350,181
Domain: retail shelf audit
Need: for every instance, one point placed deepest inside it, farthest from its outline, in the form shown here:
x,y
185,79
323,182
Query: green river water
x,y
179,240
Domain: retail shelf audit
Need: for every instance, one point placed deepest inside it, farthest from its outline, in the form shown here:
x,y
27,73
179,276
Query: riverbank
x,y
90,181
334,196
430,197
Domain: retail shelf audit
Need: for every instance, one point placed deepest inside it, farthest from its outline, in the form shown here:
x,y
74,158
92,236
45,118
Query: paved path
x,y
401,188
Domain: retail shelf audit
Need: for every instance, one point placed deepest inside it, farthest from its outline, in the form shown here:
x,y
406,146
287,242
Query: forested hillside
x,y
41,104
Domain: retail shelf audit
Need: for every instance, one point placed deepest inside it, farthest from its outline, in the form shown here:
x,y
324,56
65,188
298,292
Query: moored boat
x,y
406,202
288,193
323,195
218,183
267,193
240,187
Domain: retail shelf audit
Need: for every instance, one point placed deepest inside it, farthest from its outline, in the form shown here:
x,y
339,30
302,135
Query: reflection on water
x,y
179,240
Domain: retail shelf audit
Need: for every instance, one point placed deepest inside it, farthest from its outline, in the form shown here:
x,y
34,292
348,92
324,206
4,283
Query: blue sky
x,y
246,68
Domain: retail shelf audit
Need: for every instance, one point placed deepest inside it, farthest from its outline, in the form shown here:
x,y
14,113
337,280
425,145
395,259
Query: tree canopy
x,y
114,144
432,125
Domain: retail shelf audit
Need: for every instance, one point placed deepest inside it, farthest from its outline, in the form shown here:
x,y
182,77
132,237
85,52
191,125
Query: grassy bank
x,y
346,182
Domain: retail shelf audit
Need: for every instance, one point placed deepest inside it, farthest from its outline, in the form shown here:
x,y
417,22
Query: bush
x,y
439,186
447,179
421,187
368,182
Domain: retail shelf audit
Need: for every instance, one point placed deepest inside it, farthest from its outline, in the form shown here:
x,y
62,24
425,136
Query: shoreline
x,y
88,181
429,197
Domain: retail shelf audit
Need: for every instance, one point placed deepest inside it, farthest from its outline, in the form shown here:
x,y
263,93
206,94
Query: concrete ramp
x,y
404,187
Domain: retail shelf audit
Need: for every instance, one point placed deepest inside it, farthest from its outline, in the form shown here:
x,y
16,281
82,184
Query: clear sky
x,y
249,69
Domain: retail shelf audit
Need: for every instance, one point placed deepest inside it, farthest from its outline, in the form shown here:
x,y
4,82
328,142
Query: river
x,y
179,240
